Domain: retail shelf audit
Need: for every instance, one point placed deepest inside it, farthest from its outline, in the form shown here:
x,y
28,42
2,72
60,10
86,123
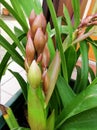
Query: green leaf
x,y
11,50
92,74
51,121
78,77
70,62
85,66
32,4
68,20
12,35
17,7
84,101
7,56
95,52
53,72
50,43
58,38
83,121
10,118
14,14
76,9
65,91
63,29
19,32
22,83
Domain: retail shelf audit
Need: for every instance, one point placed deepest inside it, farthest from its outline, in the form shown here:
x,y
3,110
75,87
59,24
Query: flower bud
x,y
29,34
45,57
43,23
39,41
26,65
46,81
32,17
37,23
30,51
34,75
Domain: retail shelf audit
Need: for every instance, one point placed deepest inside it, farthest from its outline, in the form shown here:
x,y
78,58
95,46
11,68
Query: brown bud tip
x,y
32,17
45,57
43,22
39,59
3,109
39,41
26,65
46,81
37,23
30,51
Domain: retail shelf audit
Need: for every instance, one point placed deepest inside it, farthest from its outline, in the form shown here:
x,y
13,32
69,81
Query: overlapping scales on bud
x,y
37,51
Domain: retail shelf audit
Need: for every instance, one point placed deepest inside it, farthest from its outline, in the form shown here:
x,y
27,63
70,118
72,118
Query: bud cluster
x,y
36,47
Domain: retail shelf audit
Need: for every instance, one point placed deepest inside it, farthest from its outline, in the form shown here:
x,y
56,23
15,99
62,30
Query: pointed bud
x,y
43,23
39,59
39,41
26,65
29,34
46,81
37,23
32,17
30,51
46,37
34,75
45,57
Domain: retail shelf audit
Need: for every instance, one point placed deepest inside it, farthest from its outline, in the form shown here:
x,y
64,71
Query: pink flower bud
x,y
26,65
37,23
46,81
45,57
39,41
43,23
30,51
32,17
34,75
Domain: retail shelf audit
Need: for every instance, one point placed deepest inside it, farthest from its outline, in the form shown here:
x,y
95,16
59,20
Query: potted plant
x,y
53,102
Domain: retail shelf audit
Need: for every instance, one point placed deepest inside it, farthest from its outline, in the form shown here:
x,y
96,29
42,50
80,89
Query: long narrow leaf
x,y
70,62
17,7
15,55
76,9
12,35
68,20
50,43
65,91
7,56
22,83
32,4
85,65
58,38
15,15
